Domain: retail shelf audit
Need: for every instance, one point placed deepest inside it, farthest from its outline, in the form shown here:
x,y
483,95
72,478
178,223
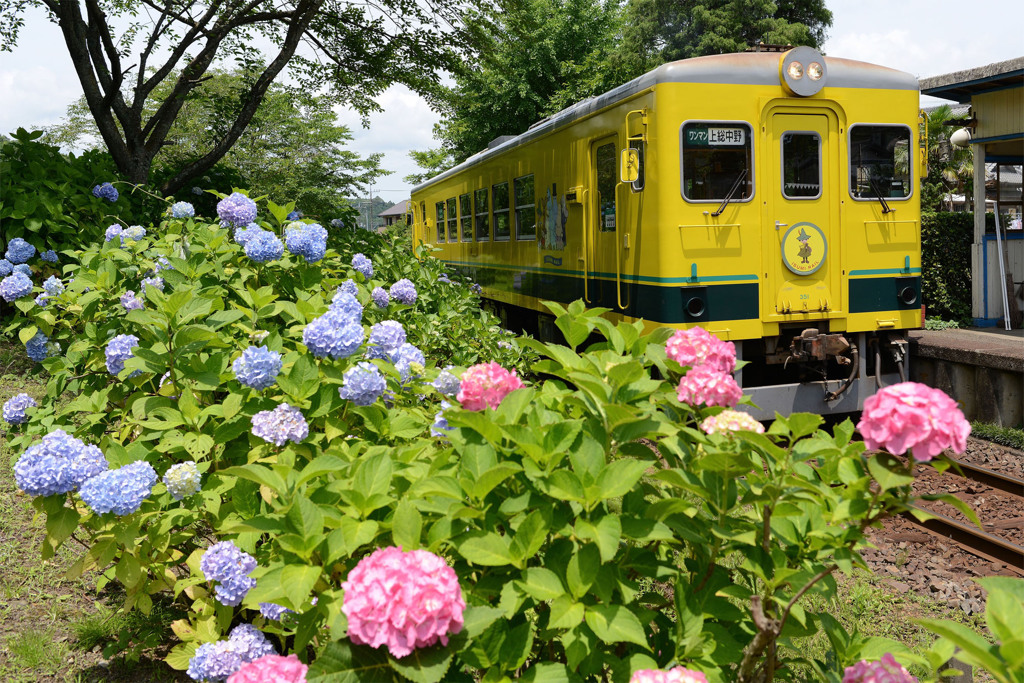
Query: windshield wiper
x,y
878,194
732,191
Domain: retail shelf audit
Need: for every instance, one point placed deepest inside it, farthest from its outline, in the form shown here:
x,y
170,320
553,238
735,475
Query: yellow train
x,y
768,197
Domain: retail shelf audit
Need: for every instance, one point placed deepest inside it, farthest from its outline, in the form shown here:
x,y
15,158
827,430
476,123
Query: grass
x,y
1004,436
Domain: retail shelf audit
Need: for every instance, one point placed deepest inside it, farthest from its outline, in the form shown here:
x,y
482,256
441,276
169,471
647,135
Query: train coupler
x,y
812,345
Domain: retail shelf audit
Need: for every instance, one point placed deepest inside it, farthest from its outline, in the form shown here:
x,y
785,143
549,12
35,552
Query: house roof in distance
x,y
399,209
959,86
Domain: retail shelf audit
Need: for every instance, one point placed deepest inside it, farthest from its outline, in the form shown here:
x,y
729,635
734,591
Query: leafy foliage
x,y
950,170
946,264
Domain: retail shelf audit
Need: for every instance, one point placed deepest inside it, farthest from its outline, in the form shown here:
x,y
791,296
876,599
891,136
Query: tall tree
x,y
352,52
431,161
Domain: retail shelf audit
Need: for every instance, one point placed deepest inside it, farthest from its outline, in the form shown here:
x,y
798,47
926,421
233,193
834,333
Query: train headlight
x,y
802,71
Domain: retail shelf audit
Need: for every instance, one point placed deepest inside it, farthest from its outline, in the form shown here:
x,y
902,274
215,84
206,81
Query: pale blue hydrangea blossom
x,y
217,661
385,338
349,286
294,215
263,247
257,367
130,301
441,426
155,282
105,191
273,611
404,292
120,491
380,296
347,306
58,464
119,349
363,265
447,383
6,267
182,210
53,286
333,335
37,347
14,409
244,233
237,209
182,480
15,286
133,233
50,256
113,232
280,425
363,384
307,240
224,563
19,251
408,360
23,268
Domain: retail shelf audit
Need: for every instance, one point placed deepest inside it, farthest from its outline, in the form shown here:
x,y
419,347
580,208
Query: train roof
x,y
742,68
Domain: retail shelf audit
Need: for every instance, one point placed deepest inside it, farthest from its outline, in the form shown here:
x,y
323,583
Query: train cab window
x,y
502,223
716,155
483,226
801,165
880,162
440,221
466,215
453,222
526,211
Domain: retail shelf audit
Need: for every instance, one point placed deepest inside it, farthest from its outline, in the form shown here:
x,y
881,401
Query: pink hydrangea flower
x,y
402,600
271,669
486,385
885,670
915,417
696,346
676,675
704,385
731,421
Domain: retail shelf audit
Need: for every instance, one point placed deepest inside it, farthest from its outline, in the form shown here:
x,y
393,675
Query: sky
x,y
37,81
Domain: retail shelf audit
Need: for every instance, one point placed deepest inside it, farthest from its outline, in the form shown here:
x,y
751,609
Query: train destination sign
x,y
700,137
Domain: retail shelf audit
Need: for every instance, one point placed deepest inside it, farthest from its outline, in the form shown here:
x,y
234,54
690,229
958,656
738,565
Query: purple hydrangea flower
x,y
88,463
363,265
441,426
246,232
337,223
349,286
42,300
274,612
257,367
347,306
380,297
230,567
23,268
264,247
404,292
283,423
447,383
49,256
443,277
19,251
476,289
250,642
157,282
217,661
237,209
15,286
14,409
333,336
120,491
363,384
105,191
162,263
182,210
37,348
130,301
182,480
408,360
385,338
113,232
53,286
57,464
308,241
6,267
119,349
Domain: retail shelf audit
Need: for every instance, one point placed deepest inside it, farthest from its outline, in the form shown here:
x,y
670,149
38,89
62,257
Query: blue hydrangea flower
x,y
14,409
57,464
23,268
347,306
157,282
113,232
408,360
333,336
119,349
120,491
237,209
36,347
274,612
15,286
380,297
49,256
53,286
447,383
217,661
349,287
441,426
6,267
250,642
19,251
42,300
182,480
230,567
245,233
283,423
363,384
363,265
337,223
130,301
385,338
162,264
182,210
294,215
404,292
476,289
257,367
198,191
105,191
443,277
133,233
264,247
307,241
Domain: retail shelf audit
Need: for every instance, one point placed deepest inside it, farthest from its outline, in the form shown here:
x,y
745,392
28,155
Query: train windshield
x,y
879,162
714,155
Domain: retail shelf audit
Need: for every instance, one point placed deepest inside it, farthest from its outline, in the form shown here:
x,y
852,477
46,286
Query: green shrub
x,y
946,264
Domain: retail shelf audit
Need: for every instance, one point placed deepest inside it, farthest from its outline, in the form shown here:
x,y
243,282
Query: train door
x,y
802,268
603,223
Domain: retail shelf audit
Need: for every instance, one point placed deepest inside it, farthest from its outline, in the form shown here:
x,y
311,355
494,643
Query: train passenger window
x,y
466,214
502,224
453,222
526,212
714,156
801,165
483,227
880,161
440,221
638,184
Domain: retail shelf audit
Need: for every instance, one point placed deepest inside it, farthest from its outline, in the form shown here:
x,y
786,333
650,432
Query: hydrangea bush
x,y
391,489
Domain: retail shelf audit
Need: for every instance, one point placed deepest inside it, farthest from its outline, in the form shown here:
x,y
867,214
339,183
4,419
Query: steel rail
x,y
983,475
972,539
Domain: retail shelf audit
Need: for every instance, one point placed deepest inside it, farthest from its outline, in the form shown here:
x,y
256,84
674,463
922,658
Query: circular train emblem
x,y
803,248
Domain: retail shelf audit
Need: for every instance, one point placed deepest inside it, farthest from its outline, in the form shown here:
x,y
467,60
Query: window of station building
x,y
453,222
502,222
880,162
715,155
526,210
440,221
801,165
483,226
466,217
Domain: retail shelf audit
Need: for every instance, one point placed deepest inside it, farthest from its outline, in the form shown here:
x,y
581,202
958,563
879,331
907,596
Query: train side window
x,y
502,223
639,146
714,155
483,227
526,210
801,165
466,217
453,222
880,161
440,221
